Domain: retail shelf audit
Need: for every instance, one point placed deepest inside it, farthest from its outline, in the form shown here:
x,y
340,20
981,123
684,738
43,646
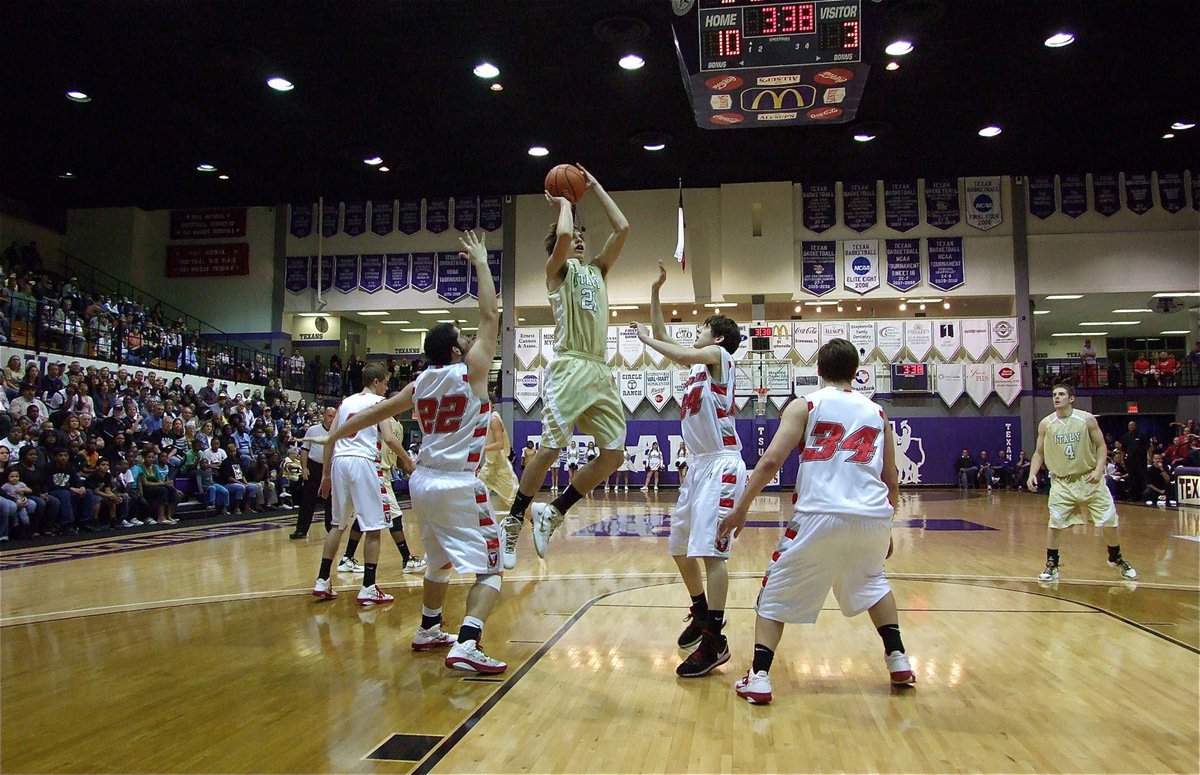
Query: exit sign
x,y
1131,407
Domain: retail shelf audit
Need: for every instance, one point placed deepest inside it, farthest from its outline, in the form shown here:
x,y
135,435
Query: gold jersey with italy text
x,y
580,307
1068,447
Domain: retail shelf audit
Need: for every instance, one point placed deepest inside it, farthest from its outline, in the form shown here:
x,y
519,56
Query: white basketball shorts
x,y
714,484
358,492
458,525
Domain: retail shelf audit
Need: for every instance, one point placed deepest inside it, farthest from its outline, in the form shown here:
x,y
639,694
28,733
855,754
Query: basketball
x,y
568,181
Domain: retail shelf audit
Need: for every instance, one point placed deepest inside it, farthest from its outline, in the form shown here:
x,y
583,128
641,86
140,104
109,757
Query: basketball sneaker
x,y
755,688
510,527
713,652
900,669
690,637
324,590
373,595
1050,573
467,656
1126,570
546,520
432,638
350,565
415,564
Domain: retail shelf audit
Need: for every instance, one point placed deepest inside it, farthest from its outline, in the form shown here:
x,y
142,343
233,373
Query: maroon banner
x,y
208,224
208,260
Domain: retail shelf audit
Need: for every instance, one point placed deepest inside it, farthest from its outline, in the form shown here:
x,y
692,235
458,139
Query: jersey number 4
x,y
827,439
441,416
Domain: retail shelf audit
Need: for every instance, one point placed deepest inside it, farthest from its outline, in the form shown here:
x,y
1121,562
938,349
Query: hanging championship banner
x,y
806,339
977,378
1003,333
975,336
1074,195
781,340
862,335
424,271
466,212
410,216
326,272
889,338
1170,191
370,272
437,215
744,344
1137,192
301,221
1006,381
395,271
633,387
345,273
679,378
630,347
526,346
329,220
295,273
941,202
947,338
983,203
354,222
946,265
547,344
658,387
683,334
453,276
918,338
864,380
805,381
495,261
1042,202
655,356
858,206
612,343
950,382
527,387
900,211
818,262
491,212
833,329
383,216
820,207
860,265
1106,194
903,258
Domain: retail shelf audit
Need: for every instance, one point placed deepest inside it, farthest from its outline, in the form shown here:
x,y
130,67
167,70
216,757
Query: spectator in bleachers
x,y
214,494
19,406
966,470
1143,371
242,494
1167,368
13,375
157,490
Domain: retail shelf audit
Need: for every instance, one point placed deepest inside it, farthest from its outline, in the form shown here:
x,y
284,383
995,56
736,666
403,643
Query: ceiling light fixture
x,y
899,48
863,137
385,169
1182,125
1111,323
903,306
497,87
1180,332
1171,294
395,322
1060,39
1131,309
280,84
694,312
893,66
1041,312
674,313
373,314
654,146
945,305
631,62
486,70
206,168
1086,334
222,177
797,308
373,161
720,304
1065,297
538,150
1168,136
78,96
839,307
67,176
858,308
413,330
990,131
922,308
623,306
433,312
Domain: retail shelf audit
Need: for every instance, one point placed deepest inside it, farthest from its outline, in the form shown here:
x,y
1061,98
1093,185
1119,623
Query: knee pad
x,y
490,580
438,575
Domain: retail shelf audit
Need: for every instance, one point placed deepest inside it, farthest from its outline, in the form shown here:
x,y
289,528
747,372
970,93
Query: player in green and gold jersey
x,y
580,388
1072,446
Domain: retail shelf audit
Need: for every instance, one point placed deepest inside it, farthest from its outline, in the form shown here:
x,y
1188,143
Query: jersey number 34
x,y
827,439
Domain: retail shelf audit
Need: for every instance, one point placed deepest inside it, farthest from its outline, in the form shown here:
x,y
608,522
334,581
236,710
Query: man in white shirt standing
x,y
312,467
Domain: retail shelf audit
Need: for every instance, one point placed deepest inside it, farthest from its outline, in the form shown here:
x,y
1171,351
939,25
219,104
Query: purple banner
x,y
1137,192
295,273
946,267
491,212
302,221
354,222
424,271
1074,195
1170,191
903,258
382,217
326,273
345,273
329,220
453,276
859,211
396,272
900,211
494,262
410,216
437,215
818,274
466,212
370,272
1042,202
1106,194
820,207
941,202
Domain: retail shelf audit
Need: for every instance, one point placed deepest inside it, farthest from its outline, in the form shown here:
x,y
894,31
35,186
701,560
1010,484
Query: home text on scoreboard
x,y
743,34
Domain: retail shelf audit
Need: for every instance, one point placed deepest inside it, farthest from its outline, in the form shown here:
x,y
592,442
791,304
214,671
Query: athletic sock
x,y
567,499
1114,553
351,548
763,657
1052,555
519,505
369,574
430,617
471,629
326,569
716,621
699,605
401,544
891,638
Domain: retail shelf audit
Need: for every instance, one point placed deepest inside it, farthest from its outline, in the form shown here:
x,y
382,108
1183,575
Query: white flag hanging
x,y
862,336
781,340
889,338
975,337
833,329
548,344
983,202
864,380
860,265
683,334
526,345
527,386
610,344
806,339
1003,333
633,387
947,338
950,382
918,338
744,347
977,378
679,379
630,346
655,356
741,401
658,387
804,380
1006,380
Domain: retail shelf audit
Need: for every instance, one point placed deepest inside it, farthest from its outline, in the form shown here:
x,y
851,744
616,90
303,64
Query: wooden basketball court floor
x,y
201,650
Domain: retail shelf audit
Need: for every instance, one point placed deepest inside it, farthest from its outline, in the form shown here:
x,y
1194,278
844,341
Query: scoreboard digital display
x,y
739,34
910,378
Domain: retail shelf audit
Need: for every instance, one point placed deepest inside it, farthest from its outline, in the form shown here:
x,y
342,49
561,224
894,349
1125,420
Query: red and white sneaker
x,y
467,656
373,595
324,590
901,670
432,638
755,688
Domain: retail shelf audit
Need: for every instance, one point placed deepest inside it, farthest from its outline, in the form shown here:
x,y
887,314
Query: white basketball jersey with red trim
x,y
707,411
841,456
364,443
453,419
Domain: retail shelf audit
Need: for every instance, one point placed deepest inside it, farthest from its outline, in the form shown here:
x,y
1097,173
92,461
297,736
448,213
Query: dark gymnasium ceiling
x,y
177,83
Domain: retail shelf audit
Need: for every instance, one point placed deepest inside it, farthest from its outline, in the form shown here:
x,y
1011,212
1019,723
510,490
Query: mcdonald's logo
x,y
788,98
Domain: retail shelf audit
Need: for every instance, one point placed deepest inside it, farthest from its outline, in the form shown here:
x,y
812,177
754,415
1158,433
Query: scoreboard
x,y
910,378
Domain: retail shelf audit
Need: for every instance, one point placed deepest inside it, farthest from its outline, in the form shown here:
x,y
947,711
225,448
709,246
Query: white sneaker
x,y
645,489
324,590
900,669
126,523
373,595
136,522
350,565
510,531
1126,570
415,564
432,638
467,656
754,687
545,520
1050,572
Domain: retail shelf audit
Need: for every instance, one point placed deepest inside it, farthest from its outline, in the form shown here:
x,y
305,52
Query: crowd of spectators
x,y
999,472
1143,469
1166,368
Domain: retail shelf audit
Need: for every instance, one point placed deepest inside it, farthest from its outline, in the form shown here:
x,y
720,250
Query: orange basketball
x,y
566,180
